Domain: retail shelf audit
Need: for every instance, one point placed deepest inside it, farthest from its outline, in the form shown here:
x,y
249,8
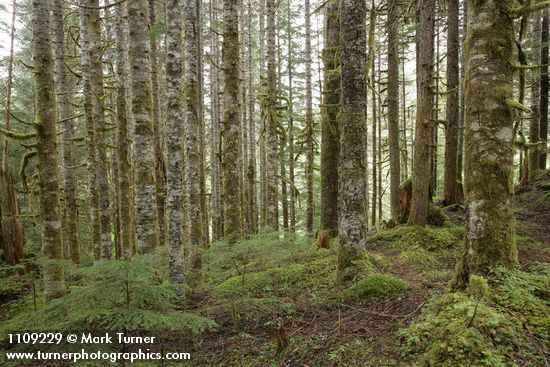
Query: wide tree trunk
x,y
46,148
424,125
489,164
147,224
452,105
353,136
330,143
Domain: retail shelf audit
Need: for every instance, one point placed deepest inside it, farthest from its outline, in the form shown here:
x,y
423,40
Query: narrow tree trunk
x,y
353,118
489,239
147,224
46,147
251,170
374,148
534,126
124,160
544,86
405,148
460,154
309,123
271,128
291,173
330,143
452,105
231,123
393,108
424,81
174,142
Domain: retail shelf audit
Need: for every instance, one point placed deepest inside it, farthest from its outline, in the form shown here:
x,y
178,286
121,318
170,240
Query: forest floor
x,y
280,307
275,301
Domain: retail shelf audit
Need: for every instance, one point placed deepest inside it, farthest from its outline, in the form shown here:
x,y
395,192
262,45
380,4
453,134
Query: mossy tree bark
x,y
291,168
192,120
330,143
488,81
85,60
65,91
424,125
126,207
544,86
263,139
97,90
353,142
271,121
231,123
452,104
393,108
251,168
147,225
46,147
174,141
157,124
534,125
309,122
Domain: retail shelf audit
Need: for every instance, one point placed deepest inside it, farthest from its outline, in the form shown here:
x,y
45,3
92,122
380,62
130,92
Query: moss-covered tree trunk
x,y
191,95
147,225
95,224
272,203
291,168
309,122
231,123
46,147
488,81
393,108
534,125
97,90
124,182
251,168
353,136
215,153
263,135
174,141
544,86
424,103
330,143
65,92
157,122
452,104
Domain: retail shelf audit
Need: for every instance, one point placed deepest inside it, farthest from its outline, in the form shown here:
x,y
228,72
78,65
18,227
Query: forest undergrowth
x,y
272,300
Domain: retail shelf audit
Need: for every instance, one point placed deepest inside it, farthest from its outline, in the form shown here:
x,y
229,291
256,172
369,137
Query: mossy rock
x,y
410,237
375,286
436,216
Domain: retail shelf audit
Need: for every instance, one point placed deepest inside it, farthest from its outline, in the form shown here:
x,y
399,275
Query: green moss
x,y
436,216
494,324
409,237
418,258
375,286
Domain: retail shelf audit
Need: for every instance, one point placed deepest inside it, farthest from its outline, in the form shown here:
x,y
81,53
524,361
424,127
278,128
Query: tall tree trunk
x,y
191,96
393,108
489,239
424,81
374,147
534,126
291,171
544,86
251,170
271,128
353,142
263,135
231,123
460,154
215,154
126,208
46,147
405,148
174,142
147,224
85,57
309,123
159,159
96,87
452,105
330,143
11,230
65,91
